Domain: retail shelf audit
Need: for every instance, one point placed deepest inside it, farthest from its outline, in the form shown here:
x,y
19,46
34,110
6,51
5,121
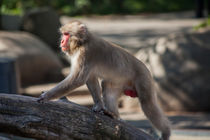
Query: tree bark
x,y
208,8
1,1
54,120
199,8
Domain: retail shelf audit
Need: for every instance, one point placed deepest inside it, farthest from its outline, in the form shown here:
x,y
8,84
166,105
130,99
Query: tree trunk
x,y
1,1
199,8
24,116
208,7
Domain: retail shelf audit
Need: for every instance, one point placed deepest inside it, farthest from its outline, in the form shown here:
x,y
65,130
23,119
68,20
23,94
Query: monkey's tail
x,y
153,111
157,118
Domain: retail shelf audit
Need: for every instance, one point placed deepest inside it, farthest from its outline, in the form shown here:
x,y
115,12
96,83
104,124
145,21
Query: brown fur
x,y
94,58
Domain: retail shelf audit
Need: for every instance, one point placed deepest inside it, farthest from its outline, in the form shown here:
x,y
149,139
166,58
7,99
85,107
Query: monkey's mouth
x,y
65,42
64,48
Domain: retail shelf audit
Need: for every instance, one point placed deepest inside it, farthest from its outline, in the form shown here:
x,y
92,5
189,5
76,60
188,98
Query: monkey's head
x,y
73,35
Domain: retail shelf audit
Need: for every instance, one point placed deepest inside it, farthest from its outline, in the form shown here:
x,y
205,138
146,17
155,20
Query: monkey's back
x,y
112,61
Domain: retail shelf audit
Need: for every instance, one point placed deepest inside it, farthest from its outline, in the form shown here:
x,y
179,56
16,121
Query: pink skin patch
x,y
131,93
64,41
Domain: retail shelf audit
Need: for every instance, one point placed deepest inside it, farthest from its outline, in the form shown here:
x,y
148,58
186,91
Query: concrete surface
x,y
185,126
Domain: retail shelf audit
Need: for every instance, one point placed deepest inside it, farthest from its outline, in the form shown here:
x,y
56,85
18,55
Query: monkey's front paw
x,y
41,98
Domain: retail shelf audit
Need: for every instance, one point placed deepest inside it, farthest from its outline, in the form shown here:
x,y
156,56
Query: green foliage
x,y
11,7
204,24
81,7
157,5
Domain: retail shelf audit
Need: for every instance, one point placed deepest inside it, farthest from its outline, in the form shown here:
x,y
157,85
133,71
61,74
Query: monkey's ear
x,y
82,33
82,28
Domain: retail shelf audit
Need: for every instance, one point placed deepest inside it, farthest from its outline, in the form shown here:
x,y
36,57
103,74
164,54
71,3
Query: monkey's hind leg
x,y
151,108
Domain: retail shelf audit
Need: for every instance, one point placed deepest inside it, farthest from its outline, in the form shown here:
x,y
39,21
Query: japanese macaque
x,y
93,58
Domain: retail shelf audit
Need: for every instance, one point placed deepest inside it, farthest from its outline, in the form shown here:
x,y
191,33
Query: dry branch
x,y
23,116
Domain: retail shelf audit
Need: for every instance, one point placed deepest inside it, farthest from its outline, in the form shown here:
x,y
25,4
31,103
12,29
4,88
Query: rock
x,y
10,22
44,23
4,138
9,79
181,68
37,63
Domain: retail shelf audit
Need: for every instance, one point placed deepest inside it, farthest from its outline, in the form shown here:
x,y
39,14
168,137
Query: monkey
x,y
93,58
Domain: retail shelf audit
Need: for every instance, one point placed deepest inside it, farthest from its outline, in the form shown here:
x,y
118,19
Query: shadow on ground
x,y
197,121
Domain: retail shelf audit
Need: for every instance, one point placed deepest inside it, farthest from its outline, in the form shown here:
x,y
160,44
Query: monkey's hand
x,y
42,98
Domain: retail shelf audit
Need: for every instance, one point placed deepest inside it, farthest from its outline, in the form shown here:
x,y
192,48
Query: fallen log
x,y
56,120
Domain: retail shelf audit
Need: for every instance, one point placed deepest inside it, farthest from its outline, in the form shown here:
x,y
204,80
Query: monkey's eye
x,y
66,33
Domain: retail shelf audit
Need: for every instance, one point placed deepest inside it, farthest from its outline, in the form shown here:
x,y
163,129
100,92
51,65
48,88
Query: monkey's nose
x,y
63,43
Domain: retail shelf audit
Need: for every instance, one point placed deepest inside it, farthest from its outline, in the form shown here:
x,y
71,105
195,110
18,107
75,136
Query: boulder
x,y
10,22
36,62
44,23
180,65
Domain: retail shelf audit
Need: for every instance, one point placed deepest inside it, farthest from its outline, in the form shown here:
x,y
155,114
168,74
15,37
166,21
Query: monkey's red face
x,y
65,41
73,35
